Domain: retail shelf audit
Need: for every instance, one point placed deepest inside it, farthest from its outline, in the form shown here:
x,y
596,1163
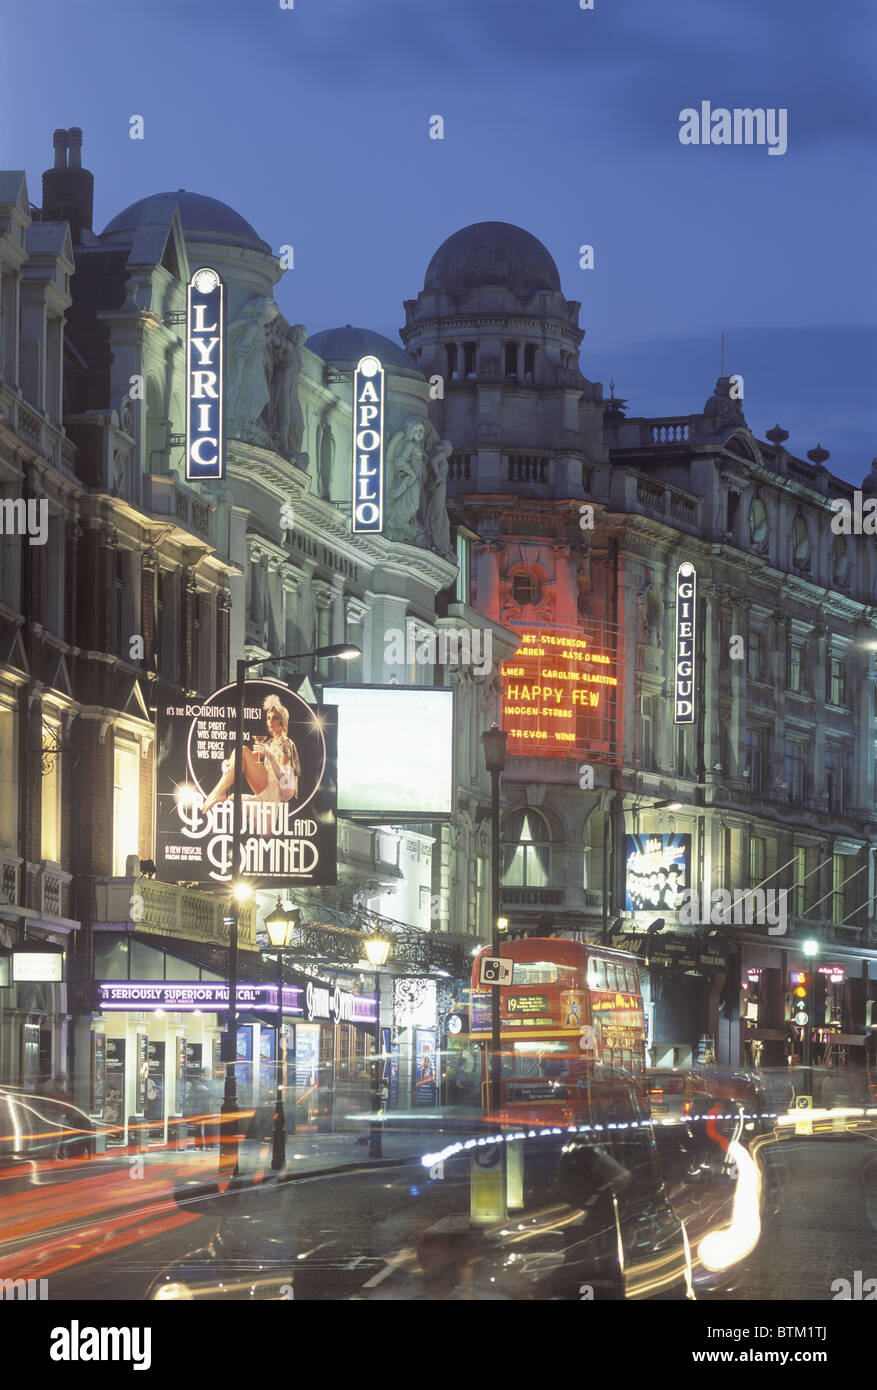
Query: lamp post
x,y
280,924
242,891
494,740
811,950
377,949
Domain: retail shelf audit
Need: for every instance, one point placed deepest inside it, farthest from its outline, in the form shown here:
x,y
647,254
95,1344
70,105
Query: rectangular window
x,y
838,874
648,730
834,780
8,779
794,771
754,655
126,805
681,751
795,665
469,359
453,372
463,546
50,832
511,361
119,575
754,761
798,885
529,361
733,858
836,682
197,640
757,860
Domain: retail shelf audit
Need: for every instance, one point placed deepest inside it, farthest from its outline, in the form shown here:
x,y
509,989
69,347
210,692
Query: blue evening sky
x,y
313,123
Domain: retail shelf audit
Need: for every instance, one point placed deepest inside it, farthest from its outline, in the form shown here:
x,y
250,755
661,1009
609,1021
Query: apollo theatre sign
x,y
205,376
367,508
686,637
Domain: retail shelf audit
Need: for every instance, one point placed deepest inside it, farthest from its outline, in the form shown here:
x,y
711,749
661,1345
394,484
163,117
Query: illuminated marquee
x,y
205,376
686,636
368,447
561,695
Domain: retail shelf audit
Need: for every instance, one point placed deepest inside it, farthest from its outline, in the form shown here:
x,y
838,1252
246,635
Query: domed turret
x,y
203,219
492,253
345,346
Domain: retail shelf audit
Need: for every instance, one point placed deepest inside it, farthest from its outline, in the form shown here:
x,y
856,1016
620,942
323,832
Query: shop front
x,y
155,1047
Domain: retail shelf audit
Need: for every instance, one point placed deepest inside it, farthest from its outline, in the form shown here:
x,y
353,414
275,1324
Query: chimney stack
x,y
68,189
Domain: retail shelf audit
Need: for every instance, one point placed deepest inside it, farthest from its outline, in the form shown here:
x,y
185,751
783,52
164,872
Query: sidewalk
x,y
405,1137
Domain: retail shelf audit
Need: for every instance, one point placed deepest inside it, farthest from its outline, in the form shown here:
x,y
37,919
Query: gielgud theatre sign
x,y
289,805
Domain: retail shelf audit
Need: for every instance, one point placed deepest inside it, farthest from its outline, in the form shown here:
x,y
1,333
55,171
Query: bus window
x,y
535,972
611,975
597,973
632,983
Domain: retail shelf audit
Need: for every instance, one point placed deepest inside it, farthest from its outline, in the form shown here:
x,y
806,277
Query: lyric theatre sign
x,y
686,639
368,447
561,695
205,376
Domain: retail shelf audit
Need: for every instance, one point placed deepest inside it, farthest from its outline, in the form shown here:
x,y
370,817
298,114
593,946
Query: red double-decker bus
x,y
572,1014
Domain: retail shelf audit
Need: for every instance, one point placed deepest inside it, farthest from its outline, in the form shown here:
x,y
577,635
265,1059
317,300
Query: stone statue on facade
x,y
283,364
405,475
435,521
247,387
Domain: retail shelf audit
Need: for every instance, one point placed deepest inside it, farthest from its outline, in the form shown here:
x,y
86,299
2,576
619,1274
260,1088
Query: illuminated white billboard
x,y
395,752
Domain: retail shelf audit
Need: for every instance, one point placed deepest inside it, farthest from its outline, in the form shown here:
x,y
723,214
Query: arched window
x,y
526,849
757,522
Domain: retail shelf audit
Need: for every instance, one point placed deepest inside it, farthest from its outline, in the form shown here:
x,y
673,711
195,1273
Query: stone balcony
x,y
46,439
166,909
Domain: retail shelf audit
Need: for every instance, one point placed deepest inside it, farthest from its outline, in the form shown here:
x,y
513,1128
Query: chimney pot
x,y
59,140
74,146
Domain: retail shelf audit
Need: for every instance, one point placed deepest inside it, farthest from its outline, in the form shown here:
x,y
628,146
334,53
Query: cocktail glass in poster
x,y
424,1067
289,805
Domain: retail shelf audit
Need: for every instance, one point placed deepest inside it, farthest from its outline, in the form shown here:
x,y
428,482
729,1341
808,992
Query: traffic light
x,y
800,982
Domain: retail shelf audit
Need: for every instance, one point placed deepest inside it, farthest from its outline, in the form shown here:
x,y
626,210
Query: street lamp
x,y
280,924
810,947
344,652
377,949
494,740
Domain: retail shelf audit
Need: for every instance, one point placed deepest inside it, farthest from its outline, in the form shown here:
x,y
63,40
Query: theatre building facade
x,y
148,588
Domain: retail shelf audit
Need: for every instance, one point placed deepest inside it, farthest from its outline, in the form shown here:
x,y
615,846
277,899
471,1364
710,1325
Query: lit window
x,y
126,805
526,850
50,841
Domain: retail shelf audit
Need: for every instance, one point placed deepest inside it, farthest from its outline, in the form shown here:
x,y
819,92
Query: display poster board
x,y
425,1090
98,1073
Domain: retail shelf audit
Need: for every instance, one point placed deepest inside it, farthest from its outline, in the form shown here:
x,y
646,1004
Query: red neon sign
x,y
562,693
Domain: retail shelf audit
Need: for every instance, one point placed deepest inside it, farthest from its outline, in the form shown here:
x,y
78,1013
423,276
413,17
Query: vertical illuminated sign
x,y
367,508
205,376
686,636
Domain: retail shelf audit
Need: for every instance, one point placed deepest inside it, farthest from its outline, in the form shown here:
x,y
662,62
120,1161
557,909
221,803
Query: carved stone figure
x,y
405,466
283,366
247,386
435,508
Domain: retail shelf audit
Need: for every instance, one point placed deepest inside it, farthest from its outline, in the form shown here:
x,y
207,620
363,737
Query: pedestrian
x,y
200,1106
